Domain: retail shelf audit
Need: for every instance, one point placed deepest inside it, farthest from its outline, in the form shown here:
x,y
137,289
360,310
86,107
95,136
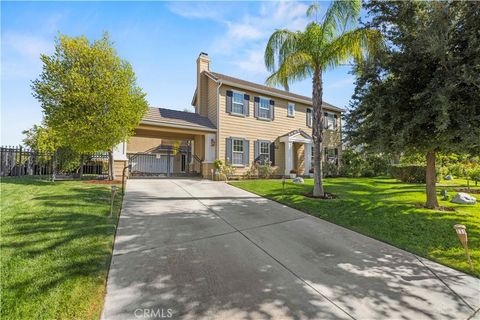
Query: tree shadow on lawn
x,y
68,240
227,276
381,216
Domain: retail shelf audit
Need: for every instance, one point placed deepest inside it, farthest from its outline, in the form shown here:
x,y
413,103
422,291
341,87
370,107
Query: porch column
x,y
308,157
210,142
192,151
288,157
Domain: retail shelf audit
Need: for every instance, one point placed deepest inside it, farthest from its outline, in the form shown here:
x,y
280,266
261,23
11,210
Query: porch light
x,y
212,142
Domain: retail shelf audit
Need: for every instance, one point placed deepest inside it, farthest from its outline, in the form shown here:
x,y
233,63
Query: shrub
x,y
330,169
352,164
457,170
474,174
376,165
409,173
218,164
357,164
265,169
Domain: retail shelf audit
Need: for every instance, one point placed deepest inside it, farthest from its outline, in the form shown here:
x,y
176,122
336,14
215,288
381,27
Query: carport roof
x,y
177,118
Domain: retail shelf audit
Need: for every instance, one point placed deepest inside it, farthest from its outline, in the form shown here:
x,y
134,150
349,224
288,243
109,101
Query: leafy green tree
x,y
41,138
89,95
421,94
328,43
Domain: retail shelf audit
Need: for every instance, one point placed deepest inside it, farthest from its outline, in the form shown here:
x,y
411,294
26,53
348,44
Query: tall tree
x,y
89,95
420,94
324,44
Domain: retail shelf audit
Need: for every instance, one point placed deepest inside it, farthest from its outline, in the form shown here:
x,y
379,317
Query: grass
x,y
387,210
56,242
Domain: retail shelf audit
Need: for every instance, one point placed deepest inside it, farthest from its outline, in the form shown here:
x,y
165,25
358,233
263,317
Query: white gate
x,y
152,163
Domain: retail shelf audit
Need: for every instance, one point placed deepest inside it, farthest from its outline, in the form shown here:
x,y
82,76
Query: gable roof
x,y
295,132
218,77
178,118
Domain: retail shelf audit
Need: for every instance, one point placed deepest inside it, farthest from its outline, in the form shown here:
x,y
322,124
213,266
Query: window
x,y
309,117
330,154
237,151
237,103
330,121
291,110
264,152
264,108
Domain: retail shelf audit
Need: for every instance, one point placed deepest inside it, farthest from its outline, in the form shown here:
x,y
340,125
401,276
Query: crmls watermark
x,y
158,313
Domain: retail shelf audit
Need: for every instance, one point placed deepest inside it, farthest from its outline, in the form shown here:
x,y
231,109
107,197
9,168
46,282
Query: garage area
x,y
169,143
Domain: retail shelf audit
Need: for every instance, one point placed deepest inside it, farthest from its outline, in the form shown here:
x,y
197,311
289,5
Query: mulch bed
x,y
103,181
441,208
475,191
328,196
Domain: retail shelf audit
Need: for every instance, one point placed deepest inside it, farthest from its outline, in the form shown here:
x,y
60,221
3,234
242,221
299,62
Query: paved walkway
x,y
196,249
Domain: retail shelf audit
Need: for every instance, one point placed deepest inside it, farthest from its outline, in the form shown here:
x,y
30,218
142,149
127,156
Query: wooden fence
x,y
20,161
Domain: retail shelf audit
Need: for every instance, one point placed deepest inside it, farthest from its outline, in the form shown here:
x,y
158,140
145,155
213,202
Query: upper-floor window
x,y
237,103
237,151
330,121
264,108
309,117
291,110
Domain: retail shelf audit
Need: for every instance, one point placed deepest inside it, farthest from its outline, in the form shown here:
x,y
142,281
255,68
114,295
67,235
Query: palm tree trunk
x,y
317,134
431,180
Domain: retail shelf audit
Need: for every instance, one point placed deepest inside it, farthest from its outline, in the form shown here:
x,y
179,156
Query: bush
x,y
457,170
474,174
409,173
265,169
352,164
330,169
357,164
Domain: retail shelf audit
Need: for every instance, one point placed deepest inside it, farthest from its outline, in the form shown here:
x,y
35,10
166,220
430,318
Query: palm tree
x,y
292,56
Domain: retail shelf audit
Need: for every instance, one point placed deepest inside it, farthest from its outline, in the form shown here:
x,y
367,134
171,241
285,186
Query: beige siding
x,y
212,101
142,144
253,129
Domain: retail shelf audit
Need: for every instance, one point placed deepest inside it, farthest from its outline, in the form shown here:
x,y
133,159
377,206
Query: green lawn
x,y
56,242
387,210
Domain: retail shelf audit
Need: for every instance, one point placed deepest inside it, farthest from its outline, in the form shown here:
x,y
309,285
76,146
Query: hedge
x,y
409,173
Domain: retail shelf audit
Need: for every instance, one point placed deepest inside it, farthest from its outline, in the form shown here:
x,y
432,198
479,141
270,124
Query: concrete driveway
x,y
196,249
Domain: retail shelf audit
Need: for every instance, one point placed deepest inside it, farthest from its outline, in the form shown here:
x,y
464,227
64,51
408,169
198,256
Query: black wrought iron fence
x,y
20,161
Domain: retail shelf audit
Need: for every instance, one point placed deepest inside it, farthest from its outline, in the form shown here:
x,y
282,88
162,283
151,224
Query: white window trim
x,y
233,103
288,110
260,153
335,125
311,117
269,108
237,152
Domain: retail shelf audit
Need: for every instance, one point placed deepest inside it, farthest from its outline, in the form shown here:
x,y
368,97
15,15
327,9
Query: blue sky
x,y
160,39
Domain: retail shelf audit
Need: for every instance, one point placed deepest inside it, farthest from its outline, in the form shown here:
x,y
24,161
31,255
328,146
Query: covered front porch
x,y
297,152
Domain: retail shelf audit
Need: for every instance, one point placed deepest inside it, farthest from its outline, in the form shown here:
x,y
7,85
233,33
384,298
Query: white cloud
x,y
253,63
27,46
198,10
245,33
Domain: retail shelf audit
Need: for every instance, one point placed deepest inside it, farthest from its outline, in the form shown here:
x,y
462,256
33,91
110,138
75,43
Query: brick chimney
x,y
203,64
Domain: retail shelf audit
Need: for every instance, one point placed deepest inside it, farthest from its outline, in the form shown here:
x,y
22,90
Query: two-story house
x,y
236,121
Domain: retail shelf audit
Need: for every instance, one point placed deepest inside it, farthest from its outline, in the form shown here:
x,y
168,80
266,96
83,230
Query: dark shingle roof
x,y
175,117
308,100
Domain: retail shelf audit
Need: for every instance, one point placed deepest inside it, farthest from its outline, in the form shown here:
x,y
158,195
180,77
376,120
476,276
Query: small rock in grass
x,y
464,198
298,180
448,177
